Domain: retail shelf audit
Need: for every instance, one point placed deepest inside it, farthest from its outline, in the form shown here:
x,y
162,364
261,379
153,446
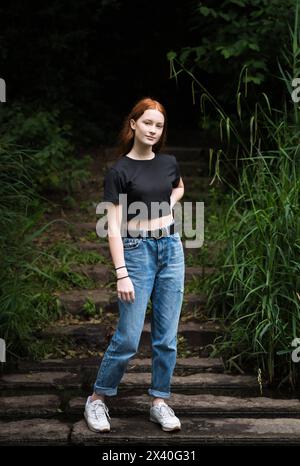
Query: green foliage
x,y
34,153
234,34
22,305
255,290
90,309
49,149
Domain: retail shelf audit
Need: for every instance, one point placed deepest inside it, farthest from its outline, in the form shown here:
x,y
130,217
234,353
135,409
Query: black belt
x,y
157,233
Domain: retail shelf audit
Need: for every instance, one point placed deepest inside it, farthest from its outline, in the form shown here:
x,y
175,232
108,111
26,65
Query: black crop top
x,y
147,181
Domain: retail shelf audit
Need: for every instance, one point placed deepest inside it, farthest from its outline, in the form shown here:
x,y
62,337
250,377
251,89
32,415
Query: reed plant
x,y
256,289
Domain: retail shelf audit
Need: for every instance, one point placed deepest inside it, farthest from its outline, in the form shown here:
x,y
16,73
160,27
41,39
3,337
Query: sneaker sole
x,y
105,429
166,429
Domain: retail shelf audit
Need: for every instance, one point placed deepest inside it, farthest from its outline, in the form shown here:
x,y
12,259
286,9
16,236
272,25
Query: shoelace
x,y
97,404
166,410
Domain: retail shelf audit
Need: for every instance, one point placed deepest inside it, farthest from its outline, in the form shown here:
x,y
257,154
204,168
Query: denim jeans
x,y
156,268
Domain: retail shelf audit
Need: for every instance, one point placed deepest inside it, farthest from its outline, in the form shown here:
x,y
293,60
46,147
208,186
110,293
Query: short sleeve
x,y
113,186
177,173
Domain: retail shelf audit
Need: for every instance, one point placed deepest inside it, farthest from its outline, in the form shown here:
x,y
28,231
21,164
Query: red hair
x,y
126,135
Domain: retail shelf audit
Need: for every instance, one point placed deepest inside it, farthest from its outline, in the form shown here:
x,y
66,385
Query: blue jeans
x,y
156,268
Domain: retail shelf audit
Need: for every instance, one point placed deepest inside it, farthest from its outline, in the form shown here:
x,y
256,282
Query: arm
x,y
177,193
114,216
125,288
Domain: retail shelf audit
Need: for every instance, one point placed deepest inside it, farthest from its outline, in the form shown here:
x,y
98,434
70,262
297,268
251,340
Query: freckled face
x,y
149,127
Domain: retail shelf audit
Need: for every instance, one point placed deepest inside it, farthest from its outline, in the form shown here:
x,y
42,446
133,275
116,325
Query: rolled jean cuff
x,y
158,394
105,391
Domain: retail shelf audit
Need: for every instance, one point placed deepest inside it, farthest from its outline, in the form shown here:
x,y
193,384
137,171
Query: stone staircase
x,y
42,402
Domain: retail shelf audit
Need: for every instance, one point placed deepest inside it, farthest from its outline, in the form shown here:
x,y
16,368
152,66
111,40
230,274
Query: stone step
x,y
194,431
28,406
131,383
198,405
98,335
57,380
35,432
78,365
99,273
73,300
194,383
47,406
139,430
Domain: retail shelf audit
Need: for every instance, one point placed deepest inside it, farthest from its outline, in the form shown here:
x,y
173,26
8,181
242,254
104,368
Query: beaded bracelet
x,y
120,278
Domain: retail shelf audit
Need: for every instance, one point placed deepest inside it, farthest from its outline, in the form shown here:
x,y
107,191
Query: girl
x,y
149,261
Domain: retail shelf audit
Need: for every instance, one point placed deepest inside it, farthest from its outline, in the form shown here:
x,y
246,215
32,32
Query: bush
x,y
47,140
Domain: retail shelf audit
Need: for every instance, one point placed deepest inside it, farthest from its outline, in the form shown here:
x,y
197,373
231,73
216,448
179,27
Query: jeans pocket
x,y
131,243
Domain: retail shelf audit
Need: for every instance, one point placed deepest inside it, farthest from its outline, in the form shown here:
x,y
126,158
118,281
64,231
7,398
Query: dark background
x,y
95,59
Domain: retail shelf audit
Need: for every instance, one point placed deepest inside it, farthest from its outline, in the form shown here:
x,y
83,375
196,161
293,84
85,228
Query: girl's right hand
x,y
125,289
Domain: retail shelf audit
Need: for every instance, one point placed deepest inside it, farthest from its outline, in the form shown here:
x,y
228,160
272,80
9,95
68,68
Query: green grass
x,y
255,288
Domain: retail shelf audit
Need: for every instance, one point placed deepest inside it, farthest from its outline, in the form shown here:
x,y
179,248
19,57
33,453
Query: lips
x,y
149,137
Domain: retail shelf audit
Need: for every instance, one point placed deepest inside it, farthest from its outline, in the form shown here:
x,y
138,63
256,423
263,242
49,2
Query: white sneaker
x,y
164,415
96,413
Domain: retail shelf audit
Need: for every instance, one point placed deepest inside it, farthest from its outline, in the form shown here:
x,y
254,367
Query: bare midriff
x,y
152,224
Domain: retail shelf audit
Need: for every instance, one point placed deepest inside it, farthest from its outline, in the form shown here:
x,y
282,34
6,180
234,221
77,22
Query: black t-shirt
x,y
147,181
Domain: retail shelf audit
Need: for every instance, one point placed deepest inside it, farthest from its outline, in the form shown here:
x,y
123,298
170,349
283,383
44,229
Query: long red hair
x,y
126,135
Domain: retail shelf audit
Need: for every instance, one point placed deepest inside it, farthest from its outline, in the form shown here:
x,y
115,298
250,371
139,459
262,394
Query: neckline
x,y
141,160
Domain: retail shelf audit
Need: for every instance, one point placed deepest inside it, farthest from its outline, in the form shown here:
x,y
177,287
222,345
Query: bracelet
x,y
120,278
120,267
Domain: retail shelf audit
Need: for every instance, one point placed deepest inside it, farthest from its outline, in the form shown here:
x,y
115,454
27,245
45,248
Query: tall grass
x,y
18,214
254,291
35,157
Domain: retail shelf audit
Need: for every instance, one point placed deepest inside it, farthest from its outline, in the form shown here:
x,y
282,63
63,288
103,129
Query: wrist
x,y
120,267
